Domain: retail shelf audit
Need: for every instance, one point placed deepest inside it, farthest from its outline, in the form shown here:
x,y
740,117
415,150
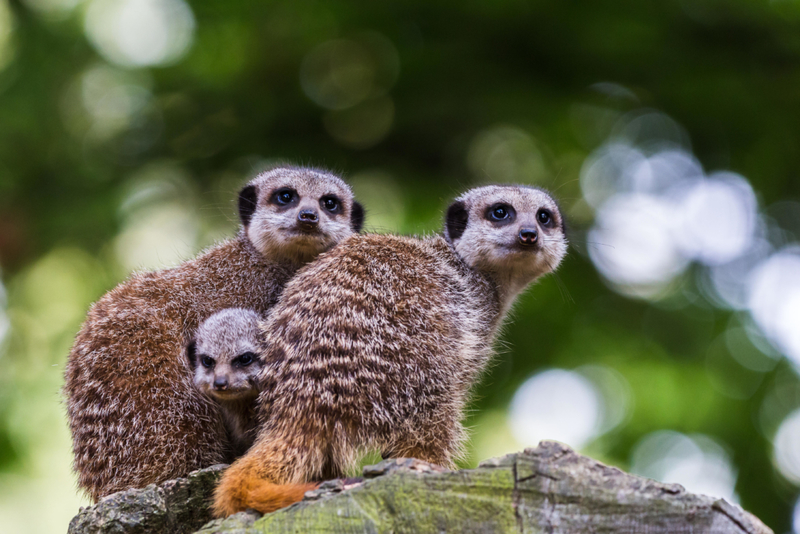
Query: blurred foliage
x,y
443,81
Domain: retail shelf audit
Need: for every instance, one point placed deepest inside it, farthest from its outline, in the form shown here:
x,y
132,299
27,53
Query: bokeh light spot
x,y
619,168
591,124
6,34
340,73
5,324
112,100
607,171
796,519
748,355
377,189
57,288
615,392
161,236
632,245
140,33
779,401
556,404
718,218
651,130
53,9
725,285
775,300
726,373
161,226
697,462
363,125
657,214
786,447
506,154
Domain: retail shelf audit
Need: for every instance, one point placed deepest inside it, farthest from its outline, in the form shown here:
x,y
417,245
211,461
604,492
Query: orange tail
x,y
242,491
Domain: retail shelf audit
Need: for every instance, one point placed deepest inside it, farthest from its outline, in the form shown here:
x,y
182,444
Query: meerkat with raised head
x,y
376,344
225,359
134,413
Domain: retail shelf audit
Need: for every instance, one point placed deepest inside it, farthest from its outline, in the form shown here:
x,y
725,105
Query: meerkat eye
x,y
207,361
330,203
246,359
284,196
500,212
545,218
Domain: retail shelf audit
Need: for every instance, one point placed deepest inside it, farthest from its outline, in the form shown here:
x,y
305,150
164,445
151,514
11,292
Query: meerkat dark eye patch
x,y
245,359
191,353
500,213
248,200
284,196
357,217
456,221
545,218
207,361
331,204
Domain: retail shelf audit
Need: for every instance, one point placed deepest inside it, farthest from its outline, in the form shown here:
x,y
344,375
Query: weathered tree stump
x,y
547,489
175,507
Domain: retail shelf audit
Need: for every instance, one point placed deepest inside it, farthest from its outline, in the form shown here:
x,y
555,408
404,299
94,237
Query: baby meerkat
x,y
134,413
375,345
225,357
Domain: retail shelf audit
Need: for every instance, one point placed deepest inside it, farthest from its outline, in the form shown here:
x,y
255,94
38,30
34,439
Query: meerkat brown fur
x,y
135,416
375,345
225,357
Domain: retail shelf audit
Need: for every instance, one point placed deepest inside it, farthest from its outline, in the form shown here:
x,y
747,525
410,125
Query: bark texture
x,y
174,507
549,489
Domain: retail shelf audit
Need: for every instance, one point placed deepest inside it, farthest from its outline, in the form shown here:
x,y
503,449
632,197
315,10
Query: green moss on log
x,y
547,489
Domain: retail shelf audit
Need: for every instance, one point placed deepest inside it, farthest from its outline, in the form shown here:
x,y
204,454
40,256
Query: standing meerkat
x,y
376,344
225,359
135,416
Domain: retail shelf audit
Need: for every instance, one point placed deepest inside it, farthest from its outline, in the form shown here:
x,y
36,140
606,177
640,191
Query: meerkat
x,y
134,413
225,358
375,345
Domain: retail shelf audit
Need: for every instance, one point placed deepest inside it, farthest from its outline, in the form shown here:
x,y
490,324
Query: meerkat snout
x,y
220,383
308,219
528,236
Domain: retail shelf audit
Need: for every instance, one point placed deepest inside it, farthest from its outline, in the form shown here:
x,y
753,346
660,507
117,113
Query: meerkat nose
x,y
528,236
220,382
308,218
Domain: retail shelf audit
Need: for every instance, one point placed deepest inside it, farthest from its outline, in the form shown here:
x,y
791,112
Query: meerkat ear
x,y
357,217
456,221
191,353
248,200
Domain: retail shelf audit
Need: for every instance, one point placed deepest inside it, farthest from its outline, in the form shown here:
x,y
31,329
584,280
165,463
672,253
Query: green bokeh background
x,y
149,177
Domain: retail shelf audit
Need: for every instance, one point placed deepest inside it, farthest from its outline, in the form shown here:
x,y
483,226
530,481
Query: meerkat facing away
x,y
375,345
135,416
226,361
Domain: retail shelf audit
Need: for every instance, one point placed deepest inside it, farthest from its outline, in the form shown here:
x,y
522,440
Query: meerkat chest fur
x,y
416,295
378,336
